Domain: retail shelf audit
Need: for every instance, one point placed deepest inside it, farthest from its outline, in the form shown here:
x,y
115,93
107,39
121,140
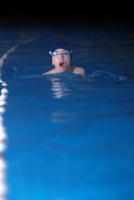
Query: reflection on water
x,y
59,88
3,135
60,116
3,101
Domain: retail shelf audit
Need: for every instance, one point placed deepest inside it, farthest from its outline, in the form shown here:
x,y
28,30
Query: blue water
x,y
70,137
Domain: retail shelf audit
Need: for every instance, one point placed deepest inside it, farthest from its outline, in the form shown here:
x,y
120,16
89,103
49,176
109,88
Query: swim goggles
x,y
56,53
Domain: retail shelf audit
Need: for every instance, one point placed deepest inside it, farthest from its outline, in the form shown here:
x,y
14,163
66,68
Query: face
x,y
61,60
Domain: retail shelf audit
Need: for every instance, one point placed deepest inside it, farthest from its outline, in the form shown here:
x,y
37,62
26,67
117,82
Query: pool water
x,y
70,137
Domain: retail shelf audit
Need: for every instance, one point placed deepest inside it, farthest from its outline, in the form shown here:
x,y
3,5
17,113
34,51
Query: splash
x,y
107,75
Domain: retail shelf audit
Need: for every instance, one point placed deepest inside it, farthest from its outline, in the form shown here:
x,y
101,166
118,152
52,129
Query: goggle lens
x,y
56,53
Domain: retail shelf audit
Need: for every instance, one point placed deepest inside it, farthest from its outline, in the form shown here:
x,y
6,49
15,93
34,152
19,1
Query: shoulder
x,y
79,70
49,72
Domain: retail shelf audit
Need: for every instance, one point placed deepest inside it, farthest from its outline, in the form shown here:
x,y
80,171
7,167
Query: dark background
x,y
64,12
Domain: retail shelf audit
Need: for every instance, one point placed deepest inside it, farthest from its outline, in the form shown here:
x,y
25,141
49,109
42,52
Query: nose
x,y
61,56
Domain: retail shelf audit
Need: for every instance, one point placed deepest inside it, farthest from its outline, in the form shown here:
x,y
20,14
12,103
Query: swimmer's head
x,y
59,45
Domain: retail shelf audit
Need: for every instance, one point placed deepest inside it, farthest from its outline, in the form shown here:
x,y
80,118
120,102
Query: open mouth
x,y
61,64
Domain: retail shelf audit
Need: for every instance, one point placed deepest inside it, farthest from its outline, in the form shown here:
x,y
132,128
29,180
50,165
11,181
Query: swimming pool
x,y
70,137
